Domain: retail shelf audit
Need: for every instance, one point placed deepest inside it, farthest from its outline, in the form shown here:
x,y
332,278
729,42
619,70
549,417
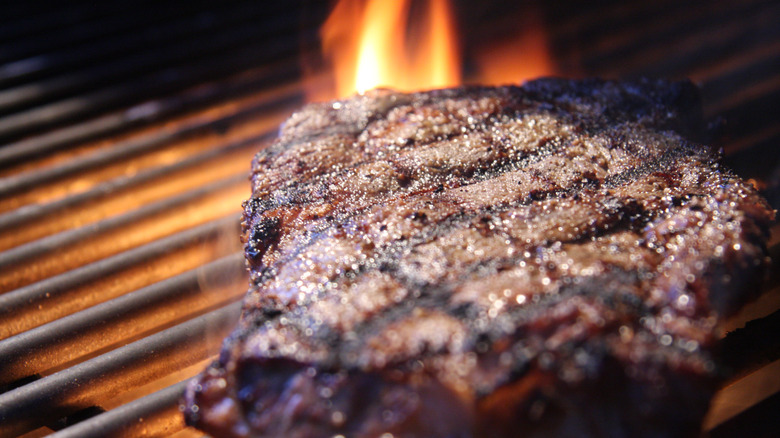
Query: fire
x,y
411,45
379,54
517,57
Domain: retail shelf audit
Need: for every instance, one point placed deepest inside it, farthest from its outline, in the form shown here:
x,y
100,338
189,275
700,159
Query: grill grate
x,y
126,138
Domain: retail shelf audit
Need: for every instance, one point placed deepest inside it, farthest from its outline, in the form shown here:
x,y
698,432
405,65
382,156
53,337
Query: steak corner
x,y
545,260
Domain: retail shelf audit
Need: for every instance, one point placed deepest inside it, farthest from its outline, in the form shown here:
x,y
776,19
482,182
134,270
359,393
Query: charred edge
x,y
311,236
265,234
256,206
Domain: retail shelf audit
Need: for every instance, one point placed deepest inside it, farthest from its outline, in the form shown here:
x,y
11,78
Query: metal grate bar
x,y
69,338
668,39
113,330
145,112
109,36
170,79
158,224
156,414
91,382
742,396
37,248
169,52
44,301
65,317
110,188
30,18
759,421
15,184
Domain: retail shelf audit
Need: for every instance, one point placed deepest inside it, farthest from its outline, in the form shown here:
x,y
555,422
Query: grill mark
x,y
482,336
310,236
546,149
437,229
524,353
662,162
426,296
384,263
315,190
437,296
515,107
338,129
631,175
255,208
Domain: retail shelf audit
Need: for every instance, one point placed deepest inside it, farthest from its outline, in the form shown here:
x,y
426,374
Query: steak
x,y
547,260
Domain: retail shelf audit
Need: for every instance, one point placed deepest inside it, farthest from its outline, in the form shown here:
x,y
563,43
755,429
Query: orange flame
x,y
411,45
517,57
377,56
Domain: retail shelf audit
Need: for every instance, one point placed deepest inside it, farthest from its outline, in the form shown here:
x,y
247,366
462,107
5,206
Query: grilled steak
x,y
545,260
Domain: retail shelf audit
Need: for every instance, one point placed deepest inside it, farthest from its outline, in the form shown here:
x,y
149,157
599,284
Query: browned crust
x,y
553,258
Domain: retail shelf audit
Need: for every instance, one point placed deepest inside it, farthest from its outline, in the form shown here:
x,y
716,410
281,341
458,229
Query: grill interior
x,y
127,130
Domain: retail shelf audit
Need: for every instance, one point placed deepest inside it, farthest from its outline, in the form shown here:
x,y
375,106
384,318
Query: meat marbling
x,y
545,260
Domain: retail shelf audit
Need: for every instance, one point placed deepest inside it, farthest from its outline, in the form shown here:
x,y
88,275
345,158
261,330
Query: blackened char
x,y
545,260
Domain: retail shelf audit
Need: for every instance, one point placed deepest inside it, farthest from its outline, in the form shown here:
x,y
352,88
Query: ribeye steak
x,y
546,260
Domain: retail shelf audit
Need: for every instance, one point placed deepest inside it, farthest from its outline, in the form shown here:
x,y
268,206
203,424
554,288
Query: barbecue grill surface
x,y
125,142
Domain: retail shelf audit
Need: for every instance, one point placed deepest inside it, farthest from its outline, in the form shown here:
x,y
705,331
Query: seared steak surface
x,y
545,260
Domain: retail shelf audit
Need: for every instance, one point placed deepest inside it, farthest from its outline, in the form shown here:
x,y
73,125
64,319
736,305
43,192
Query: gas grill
x,y
126,134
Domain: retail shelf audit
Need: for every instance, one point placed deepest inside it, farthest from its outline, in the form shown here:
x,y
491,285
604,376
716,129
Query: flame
x,y
379,43
412,45
517,57
379,54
